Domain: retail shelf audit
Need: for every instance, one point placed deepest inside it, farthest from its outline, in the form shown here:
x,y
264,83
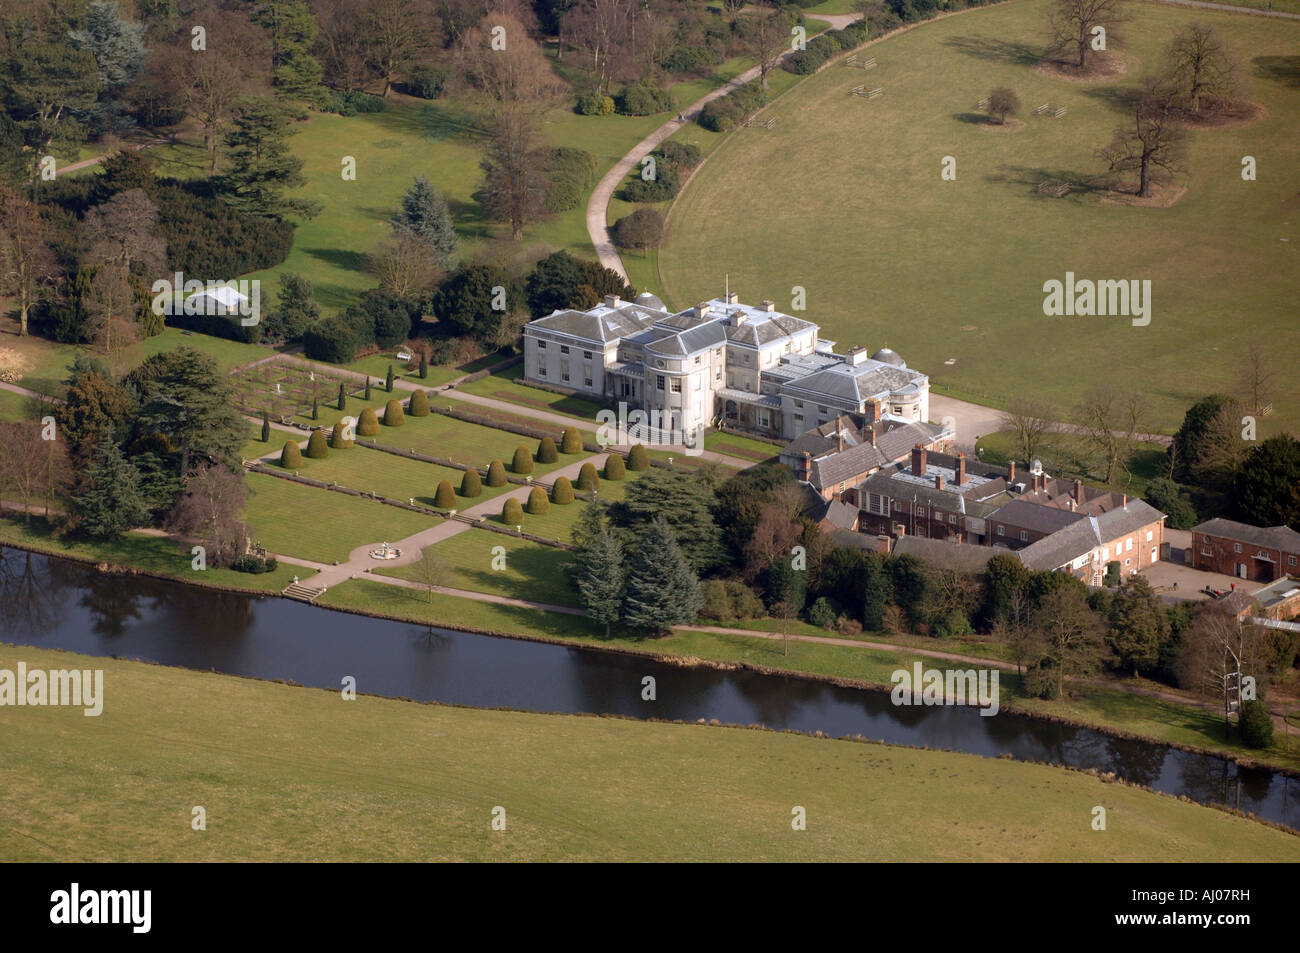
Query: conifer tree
x,y
425,212
662,588
111,502
601,575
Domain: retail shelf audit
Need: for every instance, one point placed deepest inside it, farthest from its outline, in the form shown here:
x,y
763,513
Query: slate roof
x,y
846,464
600,324
1062,547
965,557
1133,516
1034,517
1272,537
853,383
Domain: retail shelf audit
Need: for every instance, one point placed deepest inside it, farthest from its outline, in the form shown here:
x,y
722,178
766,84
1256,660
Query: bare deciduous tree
x,y
31,467
1070,25
120,233
1215,645
601,30
767,31
1031,422
1003,102
1200,66
1111,421
1153,141
1072,635
27,265
406,264
503,63
515,186
1257,374
210,509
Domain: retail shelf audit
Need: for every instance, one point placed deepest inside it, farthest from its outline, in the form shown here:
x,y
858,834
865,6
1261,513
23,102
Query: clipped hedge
x,y
445,497
393,415
523,461
587,478
290,456
470,484
546,452
368,423
336,439
512,513
638,458
317,448
571,442
496,475
614,467
418,405
538,504
562,491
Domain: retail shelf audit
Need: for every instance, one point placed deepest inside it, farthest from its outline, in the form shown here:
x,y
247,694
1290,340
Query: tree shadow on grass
x,y
1120,99
995,50
340,257
1030,178
329,295
975,119
545,572
1279,69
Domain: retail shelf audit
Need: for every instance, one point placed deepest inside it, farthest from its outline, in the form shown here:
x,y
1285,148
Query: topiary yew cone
x,y
290,456
562,491
368,423
546,452
445,498
418,405
614,468
496,475
638,458
393,415
571,442
523,461
538,504
512,514
316,446
470,484
587,478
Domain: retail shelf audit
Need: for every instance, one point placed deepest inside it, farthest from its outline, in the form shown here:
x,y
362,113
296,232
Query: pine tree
x,y
292,29
266,428
388,381
111,502
601,577
662,588
261,167
424,212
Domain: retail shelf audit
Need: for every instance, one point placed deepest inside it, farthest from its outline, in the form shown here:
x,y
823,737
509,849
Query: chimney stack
x,y
871,435
961,469
938,481
702,310
873,410
918,460
767,305
1078,492
806,469
733,297
1011,472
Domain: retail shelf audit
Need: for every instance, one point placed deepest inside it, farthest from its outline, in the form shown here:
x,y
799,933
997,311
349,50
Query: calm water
x,y
57,604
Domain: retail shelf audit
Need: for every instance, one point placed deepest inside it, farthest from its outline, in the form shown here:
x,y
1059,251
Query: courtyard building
x,y
1257,553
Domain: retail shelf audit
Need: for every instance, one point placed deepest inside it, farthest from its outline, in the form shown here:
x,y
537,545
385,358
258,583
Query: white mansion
x,y
720,363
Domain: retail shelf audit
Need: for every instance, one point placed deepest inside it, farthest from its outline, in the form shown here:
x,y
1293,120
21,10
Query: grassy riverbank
x,y
289,774
1105,708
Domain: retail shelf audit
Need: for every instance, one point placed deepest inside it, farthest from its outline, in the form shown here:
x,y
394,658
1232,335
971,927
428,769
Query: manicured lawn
x,y
507,385
321,525
737,445
532,571
377,367
845,194
264,761
151,553
16,406
1067,455
557,523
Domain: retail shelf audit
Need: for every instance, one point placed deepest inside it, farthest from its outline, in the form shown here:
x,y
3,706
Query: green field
x,y
162,557
844,198
286,773
321,525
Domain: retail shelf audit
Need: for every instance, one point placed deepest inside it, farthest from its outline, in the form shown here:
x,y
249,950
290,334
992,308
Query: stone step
x,y
301,592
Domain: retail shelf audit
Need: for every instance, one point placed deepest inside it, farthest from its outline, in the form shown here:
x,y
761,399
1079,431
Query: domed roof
x,y
647,300
887,356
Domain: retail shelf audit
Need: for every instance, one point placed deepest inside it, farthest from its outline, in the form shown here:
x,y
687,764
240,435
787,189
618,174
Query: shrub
x,y
496,475
368,423
729,600
726,111
954,625
1256,725
445,497
643,229
317,448
331,340
665,185
638,458
470,484
546,452
418,405
290,456
570,173
1168,497
571,442
336,439
643,99
393,415
512,514
254,564
682,154
689,59
538,504
594,104
1113,577
523,461
822,614
352,102
806,61
614,467
206,236
587,478
562,491
424,82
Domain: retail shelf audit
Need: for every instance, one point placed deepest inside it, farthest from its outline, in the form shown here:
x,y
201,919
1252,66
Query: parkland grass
x,y
844,198
290,774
